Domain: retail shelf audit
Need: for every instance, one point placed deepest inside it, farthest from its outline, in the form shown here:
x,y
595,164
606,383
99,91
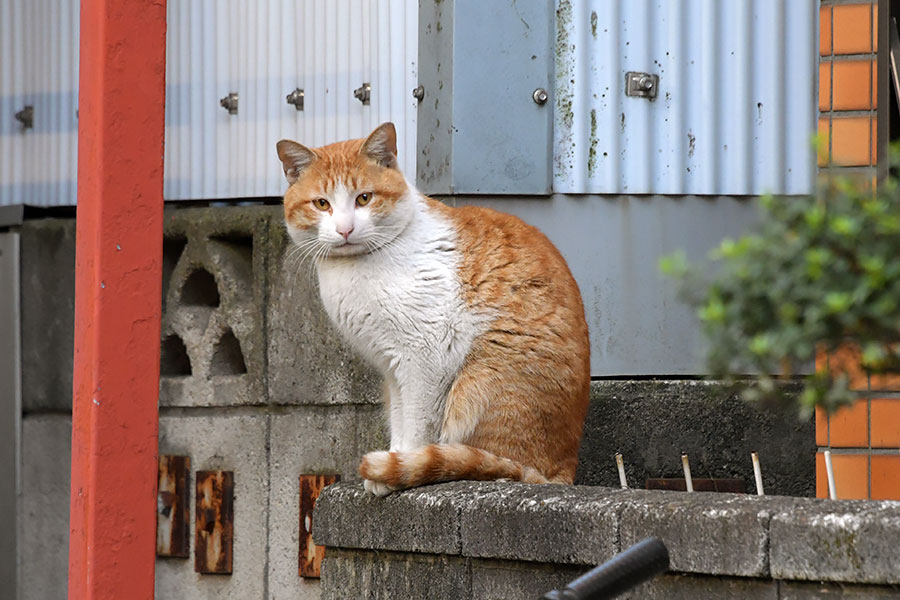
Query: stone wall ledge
x,y
799,539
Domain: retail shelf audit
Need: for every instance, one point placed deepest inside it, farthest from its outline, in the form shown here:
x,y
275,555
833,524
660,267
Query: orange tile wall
x,y
864,438
847,84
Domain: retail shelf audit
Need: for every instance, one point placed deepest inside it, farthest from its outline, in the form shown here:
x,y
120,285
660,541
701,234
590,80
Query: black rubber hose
x,y
623,572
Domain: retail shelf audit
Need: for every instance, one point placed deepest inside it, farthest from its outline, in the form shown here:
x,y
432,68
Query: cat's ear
x,y
381,145
295,158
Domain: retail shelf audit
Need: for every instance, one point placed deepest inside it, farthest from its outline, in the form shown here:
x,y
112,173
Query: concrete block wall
x,y
256,381
232,308
512,541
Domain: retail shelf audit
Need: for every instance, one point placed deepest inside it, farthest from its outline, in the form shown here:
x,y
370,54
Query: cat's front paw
x,y
377,488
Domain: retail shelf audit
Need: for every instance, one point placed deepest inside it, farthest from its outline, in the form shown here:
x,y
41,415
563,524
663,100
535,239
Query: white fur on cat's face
x,y
369,229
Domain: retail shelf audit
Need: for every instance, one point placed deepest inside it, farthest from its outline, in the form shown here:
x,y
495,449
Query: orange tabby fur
x,y
516,408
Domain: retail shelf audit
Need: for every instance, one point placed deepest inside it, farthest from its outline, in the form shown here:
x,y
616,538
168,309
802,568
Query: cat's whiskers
x,y
299,253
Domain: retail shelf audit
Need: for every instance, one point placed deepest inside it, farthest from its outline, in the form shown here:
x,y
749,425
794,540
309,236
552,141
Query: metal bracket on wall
x,y
26,117
296,98
363,93
310,555
641,85
230,103
214,522
173,506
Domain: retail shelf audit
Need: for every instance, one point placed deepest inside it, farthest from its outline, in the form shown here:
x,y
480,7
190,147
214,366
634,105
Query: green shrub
x,y
821,272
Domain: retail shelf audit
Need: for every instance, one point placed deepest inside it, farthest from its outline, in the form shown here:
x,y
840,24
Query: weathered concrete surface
x,y
215,295
718,534
44,517
308,361
232,442
652,422
698,587
516,580
392,576
547,523
715,534
48,314
424,519
848,540
792,590
751,540
303,440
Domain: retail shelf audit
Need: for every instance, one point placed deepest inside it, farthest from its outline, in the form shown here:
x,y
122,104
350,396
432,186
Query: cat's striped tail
x,y
442,462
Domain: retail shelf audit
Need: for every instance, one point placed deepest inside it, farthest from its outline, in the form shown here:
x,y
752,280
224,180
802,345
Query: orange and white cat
x,y
471,316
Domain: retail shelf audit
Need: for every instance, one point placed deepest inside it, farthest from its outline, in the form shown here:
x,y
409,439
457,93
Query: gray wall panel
x,y
638,325
10,411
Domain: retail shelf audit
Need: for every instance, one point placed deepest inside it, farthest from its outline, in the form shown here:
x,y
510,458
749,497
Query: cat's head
x,y
346,198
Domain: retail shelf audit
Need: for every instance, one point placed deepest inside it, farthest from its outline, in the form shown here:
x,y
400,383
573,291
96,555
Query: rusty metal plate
x,y
173,501
310,555
214,531
677,484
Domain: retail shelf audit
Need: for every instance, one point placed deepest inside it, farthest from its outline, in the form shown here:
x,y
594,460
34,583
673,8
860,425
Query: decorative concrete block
x,y
214,297
309,363
849,541
44,516
222,442
48,314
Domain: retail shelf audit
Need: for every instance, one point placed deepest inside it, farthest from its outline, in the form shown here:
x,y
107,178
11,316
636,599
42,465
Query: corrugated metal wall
x,y
735,113
38,67
736,107
263,51
260,50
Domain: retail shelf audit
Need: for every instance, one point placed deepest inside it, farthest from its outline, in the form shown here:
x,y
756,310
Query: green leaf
x,y
675,264
837,302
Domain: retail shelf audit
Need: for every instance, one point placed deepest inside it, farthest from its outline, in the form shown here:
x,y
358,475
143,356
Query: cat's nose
x,y
345,231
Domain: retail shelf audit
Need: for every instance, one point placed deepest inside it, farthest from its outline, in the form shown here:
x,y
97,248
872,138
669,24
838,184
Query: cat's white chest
x,y
402,305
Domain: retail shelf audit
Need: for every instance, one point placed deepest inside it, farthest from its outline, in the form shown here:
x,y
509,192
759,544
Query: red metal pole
x,y
117,299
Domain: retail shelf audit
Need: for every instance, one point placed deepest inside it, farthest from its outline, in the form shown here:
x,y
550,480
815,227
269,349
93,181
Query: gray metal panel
x,y
638,325
434,124
480,130
10,413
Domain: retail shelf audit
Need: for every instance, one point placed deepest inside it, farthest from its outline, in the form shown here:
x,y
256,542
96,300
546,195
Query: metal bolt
x,y
26,117
419,92
296,98
646,83
540,96
363,93
230,103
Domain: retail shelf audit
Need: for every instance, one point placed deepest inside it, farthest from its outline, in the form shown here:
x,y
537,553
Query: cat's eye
x,y
321,203
363,199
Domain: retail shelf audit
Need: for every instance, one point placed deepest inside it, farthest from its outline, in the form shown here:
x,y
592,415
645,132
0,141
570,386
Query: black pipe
x,y
623,572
